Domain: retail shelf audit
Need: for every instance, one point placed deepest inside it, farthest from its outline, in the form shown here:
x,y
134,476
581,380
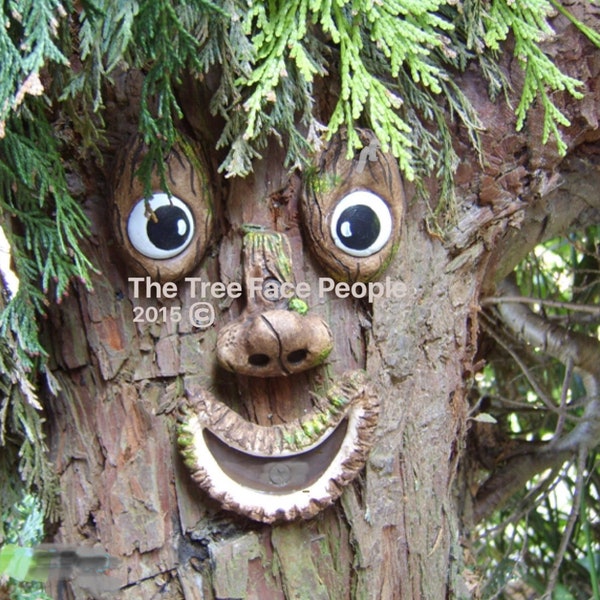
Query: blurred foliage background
x,y
23,524
546,540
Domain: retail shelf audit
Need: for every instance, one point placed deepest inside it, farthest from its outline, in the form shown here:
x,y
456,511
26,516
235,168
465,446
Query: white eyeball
x,y
162,232
361,223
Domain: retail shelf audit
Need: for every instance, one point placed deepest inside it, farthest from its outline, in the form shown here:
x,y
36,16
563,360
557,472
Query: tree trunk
x,y
125,487
396,531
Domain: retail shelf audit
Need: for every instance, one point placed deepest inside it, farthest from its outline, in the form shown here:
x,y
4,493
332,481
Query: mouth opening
x,y
281,472
277,475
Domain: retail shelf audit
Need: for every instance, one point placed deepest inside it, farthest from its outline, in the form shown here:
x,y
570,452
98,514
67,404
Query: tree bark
x,y
125,487
397,530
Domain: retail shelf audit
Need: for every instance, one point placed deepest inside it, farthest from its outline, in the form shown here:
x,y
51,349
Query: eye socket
x,y
164,233
163,237
353,216
361,223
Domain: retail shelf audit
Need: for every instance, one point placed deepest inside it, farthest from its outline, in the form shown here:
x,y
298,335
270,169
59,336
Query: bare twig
x,y
566,537
582,351
556,341
560,424
575,351
585,308
520,512
512,477
548,402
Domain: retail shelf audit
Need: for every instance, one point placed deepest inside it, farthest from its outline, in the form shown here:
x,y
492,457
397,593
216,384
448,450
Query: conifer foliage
x,y
390,65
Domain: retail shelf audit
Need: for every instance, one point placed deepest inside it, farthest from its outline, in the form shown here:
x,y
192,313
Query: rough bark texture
x,y
396,532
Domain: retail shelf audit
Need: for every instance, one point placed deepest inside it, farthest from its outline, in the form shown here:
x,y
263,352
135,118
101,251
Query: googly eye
x,y
352,217
361,223
160,227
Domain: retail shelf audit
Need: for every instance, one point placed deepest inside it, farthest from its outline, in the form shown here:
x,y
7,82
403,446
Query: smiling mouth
x,y
282,472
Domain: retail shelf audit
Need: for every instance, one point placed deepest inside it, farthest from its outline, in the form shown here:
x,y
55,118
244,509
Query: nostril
x,y
258,360
297,356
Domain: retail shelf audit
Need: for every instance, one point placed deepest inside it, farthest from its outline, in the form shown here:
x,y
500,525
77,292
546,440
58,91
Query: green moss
x,y
322,356
271,244
185,439
301,439
322,182
293,548
339,401
309,429
289,439
298,305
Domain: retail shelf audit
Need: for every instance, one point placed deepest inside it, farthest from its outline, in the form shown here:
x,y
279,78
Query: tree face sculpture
x,y
192,327
295,423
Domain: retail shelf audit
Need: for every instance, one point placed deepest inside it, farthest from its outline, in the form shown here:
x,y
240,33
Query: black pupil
x,y
171,228
358,227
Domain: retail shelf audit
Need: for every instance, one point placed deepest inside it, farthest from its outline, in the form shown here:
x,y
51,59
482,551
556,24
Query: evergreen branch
x,y
404,31
591,34
423,39
27,44
47,252
104,33
287,58
527,20
165,49
21,429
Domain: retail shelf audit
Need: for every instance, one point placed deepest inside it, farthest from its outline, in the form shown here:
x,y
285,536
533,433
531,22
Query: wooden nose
x,y
274,343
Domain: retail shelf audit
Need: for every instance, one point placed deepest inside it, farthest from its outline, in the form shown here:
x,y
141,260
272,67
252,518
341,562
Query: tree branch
x,y
569,347
572,203
585,308
575,351
557,341
568,532
512,477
